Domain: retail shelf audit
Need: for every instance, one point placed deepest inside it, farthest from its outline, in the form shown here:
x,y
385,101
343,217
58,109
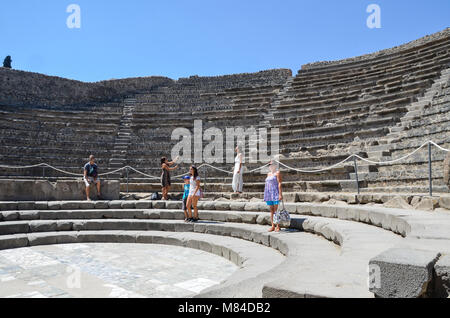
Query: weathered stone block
x,y
346,197
249,218
54,205
174,205
365,198
69,205
37,239
43,226
143,204
63,225
209,205
27,215
14,228
402,273
222,206
115,204
13,241
86,205
10,216
313,197
43,205
442,268
128,205
159,204
8,206
25,206
62,190
444,202
232,217
398,202
100,205
290,197
153,215
291,207
427,204
263,219
237,206
252,206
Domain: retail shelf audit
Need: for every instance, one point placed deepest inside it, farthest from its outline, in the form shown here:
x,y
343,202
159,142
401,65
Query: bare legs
x,y
165,193
193,201
273,209
88,190
99,192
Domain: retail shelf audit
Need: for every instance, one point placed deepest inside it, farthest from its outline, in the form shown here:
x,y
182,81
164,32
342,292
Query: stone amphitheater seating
x,y
322,110
360,235
380,106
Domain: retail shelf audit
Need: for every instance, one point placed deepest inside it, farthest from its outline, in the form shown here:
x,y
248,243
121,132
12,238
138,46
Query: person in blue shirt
x,y
187,187
91,177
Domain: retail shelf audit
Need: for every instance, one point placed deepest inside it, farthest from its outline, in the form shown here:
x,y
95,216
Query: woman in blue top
x,y
273,193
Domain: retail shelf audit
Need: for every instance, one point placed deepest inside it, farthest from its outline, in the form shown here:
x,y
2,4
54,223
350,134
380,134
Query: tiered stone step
x,y
343,275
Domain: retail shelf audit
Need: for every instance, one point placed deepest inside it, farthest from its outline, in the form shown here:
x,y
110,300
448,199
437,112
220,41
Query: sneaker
x,y
195,220
99,197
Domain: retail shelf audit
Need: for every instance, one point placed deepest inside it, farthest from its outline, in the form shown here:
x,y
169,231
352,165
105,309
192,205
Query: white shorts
x,y
90,180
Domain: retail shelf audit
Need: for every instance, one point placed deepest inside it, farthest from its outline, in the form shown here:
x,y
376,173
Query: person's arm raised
x,y
174,161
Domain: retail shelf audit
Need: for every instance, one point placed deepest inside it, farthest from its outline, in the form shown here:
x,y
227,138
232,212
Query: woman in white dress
x,y
238,178
194,193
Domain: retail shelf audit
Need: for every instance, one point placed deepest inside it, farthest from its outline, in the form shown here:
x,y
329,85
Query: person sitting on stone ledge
x,y
91,177
447,170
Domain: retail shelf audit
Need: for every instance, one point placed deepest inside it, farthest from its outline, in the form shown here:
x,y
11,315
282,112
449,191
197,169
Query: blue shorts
x,y
272,203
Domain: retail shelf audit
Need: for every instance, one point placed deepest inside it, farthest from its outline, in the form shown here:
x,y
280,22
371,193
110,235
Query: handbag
x,y
282,217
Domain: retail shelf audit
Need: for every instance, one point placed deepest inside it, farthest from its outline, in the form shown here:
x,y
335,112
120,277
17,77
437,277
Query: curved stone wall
x,y
394,50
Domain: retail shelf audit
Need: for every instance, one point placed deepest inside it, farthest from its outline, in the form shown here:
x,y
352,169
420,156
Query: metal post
x,y
127,180
356,174
430,172
43,172
205,176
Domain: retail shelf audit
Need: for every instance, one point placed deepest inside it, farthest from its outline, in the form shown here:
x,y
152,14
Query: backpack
x,y
155,197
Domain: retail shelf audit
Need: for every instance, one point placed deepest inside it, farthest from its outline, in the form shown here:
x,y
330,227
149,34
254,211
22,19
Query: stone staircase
x,y
269,116
383,151
123,138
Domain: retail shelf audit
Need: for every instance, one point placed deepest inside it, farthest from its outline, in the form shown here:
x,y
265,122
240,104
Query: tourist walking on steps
x,y
238,179
194,193
273,192
166,167
91,177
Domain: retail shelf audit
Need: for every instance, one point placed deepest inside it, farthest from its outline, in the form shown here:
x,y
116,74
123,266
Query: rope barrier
x,y
443,149
315,171
228,172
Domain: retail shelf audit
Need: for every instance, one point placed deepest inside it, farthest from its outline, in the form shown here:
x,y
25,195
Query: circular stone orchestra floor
x,y
109,270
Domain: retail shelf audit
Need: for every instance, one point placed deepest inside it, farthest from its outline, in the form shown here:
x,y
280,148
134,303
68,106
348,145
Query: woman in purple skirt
x,y
273,192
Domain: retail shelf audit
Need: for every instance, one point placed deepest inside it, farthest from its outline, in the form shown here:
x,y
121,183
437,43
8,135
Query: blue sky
x,y
179,38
